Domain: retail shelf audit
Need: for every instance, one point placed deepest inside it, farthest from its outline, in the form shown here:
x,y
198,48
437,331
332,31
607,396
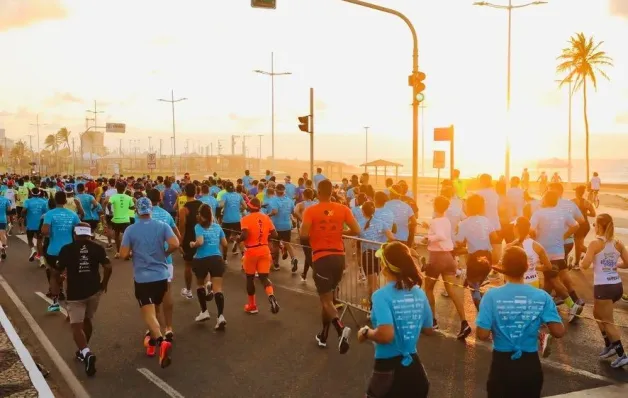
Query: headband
x,y
380,254
80,230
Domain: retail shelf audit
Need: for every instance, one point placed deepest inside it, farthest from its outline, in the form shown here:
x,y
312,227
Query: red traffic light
x,y
304,124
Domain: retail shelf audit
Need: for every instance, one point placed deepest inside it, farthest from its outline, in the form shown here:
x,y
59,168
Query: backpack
x,y
170,198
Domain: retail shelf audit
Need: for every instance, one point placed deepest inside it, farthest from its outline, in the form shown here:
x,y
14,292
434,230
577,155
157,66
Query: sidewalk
x,y
15,379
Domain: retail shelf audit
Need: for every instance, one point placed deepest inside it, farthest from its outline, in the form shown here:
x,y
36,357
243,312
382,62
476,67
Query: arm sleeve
x,y
381,310
484,319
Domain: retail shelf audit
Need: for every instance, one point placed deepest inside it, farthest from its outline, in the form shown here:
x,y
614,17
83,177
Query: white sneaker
x,y
203,316
221,322
33,254
186,293
619,362
573,311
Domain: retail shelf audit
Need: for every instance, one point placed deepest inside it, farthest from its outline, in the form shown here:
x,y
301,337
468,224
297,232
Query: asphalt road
x,y
268,355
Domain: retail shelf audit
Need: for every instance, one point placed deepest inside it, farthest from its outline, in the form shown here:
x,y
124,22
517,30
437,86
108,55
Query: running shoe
x,y
209,292
79,356
150,349
54,307
608,352
624,298
109,246
169,335
203,316
42,262
164,354
574,312
544,344
221,323
284,251
575,267
274,306
321,341
117,255
251,309
304,280
343,340
3,253
31,258
465,330
295,265
90,364
186,293
234,251
619,362
276,267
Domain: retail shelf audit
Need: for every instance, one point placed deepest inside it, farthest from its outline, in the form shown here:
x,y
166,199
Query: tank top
x,y
190,220
605,265
531,276
70,204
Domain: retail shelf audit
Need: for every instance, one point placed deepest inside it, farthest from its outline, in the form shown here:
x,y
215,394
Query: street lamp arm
x,y
262,72
513,7
180,99
534,3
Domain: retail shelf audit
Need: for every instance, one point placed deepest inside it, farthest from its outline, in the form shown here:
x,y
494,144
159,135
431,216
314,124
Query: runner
x,y
308,195
58,225
147,238
257,229
5,210
34,209
81,260
403,216
515,369
207,199
400,314
587,210
282,220
162,215
90,206
604,253
323,225
120,204
169,198
232,204
186,222
210,239
109,192
11,194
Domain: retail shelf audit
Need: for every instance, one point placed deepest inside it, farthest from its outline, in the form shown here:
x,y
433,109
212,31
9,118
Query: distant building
x,y
93,142
6,143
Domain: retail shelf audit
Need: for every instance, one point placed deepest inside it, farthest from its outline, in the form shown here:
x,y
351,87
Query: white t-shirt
x,y
109,193
10,194
596,183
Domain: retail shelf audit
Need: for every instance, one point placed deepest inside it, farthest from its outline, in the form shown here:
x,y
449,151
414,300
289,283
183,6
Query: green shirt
x,y
121,204
220,194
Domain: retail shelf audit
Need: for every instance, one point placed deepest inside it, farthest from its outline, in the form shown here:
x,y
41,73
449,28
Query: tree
x,y
52,144
63,137
18,154
583,61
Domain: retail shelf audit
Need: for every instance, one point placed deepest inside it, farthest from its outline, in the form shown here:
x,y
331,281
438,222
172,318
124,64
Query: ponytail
x,y
609,232
205,216
368,209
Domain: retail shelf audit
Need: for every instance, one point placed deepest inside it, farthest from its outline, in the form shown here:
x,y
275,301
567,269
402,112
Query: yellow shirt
x,y
260,197
98,193
182,200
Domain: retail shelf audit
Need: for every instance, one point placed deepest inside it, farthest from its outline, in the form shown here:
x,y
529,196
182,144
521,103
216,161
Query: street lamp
x,y
272,75
570,82
509,8
174,136
37,124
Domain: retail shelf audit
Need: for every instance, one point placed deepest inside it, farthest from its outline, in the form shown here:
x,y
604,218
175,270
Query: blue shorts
x,y
3,226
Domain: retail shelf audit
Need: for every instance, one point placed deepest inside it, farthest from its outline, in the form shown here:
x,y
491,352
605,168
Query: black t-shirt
x,y
82,260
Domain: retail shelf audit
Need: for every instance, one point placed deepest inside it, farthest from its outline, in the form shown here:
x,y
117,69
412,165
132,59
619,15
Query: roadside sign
x,y
264,4
151,160
443,133
116,128
439,160
93,163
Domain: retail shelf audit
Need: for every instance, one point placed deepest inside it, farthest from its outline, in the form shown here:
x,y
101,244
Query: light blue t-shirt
x,y
210,201
269,204
476,231
232,205
491,206
514,313
357,214
408,311
376,232
246,181
35,208
211,240
86,203
214,189
572,209
285,208
162,215
62,222
317,179
291,190
146,238
454,214
176,187
5,206
401,214
386,216
550,224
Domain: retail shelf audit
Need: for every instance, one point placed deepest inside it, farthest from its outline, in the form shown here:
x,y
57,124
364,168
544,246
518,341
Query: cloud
x,y
622,118
22,13
62,98
619,8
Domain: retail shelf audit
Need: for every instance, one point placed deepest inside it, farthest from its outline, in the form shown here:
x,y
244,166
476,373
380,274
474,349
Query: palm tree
x,y
18,153
63,137
582,61
52,144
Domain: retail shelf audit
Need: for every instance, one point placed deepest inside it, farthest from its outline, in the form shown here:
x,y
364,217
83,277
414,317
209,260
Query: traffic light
x,y
272,4
304,123
416,81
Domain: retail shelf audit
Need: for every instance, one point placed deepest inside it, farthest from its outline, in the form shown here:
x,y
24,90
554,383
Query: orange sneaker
x,y
251,309
150,349
164,354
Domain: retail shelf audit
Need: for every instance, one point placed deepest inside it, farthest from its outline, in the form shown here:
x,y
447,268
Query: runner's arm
x,y
125,246
590,210
79,207
173,244
107,270
623,253
546,265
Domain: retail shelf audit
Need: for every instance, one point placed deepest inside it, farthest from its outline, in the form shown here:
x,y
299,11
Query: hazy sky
x,y
58,56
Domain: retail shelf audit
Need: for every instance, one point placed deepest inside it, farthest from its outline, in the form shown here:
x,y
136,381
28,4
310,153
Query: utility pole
x,y
220,147
38,150
366,151
244,137
260,147
233,143
272,75
150,147
95,112
211,149
174,136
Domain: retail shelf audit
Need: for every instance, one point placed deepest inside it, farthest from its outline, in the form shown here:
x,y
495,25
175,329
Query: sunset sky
x,y
58,56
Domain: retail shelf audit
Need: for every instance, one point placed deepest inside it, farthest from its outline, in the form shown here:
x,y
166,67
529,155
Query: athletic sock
x,y
325,331
202,301
569,302
252,301
619,348
573,295
219,298
338,325
607,341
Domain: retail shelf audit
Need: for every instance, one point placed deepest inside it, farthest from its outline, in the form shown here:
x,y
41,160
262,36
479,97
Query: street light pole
x,y
415,99
366,147
38,150
272,75
509,8
569,132
174,135
150,148
95,112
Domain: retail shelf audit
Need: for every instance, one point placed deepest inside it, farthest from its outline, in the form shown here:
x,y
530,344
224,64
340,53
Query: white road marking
x,y
615,391
74,384
49,301
43,389
165,387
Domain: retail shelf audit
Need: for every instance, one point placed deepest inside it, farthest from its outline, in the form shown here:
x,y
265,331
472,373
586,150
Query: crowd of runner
x,y
500,228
